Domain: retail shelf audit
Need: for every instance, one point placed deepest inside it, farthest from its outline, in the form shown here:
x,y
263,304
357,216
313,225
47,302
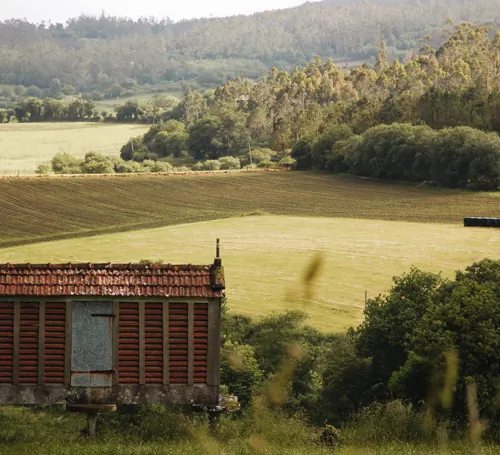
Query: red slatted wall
x,y
128,343
153,343
178,343
6,342
28,343
55,342
200,342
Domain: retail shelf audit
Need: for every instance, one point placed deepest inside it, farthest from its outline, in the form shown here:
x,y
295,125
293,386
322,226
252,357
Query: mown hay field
x,y
24,146
39,209
265,258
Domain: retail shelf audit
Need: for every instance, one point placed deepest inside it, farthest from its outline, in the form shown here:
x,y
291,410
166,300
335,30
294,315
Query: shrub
x,y
161,166
302,153
265,164
240,371
381,423
128,167
322,148
287,161
212,165
43,169
133,145
459,157
331,436
64,163
181,169
230,162
97,163
259,155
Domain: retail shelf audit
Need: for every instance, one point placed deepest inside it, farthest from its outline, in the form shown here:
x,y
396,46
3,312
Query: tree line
x,y
429,342
96,53
460,157
444,100
32,109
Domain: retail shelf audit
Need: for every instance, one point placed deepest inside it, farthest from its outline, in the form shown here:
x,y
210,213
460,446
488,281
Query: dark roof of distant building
x,y
112,280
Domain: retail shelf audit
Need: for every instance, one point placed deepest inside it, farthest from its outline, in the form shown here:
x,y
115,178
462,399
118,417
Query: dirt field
x,y
41,209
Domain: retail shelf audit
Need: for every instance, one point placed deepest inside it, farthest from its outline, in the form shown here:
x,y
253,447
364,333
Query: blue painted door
x,y
92,344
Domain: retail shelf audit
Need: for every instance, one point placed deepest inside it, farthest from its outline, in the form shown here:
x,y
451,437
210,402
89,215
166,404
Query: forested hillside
x,y
341,121
93,53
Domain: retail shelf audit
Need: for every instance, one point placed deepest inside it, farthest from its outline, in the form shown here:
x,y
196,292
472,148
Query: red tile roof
x,y
112,280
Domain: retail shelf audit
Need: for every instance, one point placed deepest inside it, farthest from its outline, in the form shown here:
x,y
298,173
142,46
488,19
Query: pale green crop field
x,y
110,104
265,258
24,146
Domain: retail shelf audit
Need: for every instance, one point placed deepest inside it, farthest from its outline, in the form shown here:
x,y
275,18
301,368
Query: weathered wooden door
x,y
92,344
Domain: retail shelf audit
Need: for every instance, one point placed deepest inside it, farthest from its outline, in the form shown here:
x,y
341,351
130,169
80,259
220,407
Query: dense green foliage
x,y
109,54
425,342
48,109
97,163
460,157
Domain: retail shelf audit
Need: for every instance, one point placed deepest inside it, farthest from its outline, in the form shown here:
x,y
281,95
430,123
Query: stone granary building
x,y
91,334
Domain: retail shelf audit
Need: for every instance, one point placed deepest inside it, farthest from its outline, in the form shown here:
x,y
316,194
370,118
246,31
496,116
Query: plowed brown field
x,y
34,210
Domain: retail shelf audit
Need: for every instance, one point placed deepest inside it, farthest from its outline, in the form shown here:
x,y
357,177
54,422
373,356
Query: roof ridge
x,y
103,265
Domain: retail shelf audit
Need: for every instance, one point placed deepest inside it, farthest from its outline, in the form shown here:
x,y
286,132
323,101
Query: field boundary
x,y
135,174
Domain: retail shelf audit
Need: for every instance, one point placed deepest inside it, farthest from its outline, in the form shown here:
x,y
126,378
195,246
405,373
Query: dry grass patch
x,y
24,146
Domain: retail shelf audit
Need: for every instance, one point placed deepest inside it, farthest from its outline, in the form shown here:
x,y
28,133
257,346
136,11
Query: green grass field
x,y
55,433
44,208
23,146
265,258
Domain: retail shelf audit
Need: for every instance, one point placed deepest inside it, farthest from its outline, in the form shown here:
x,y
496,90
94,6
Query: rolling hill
x,y
105,50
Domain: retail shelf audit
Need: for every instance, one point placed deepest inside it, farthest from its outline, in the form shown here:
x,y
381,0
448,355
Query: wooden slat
x,y
55,342
29,342
178,342
128,343
200,342
15,360
6,342
213,360
142,343
190,343
67,337
154,345
116,340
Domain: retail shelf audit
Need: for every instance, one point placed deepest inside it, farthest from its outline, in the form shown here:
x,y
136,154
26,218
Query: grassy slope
x,y
265,258
40,209
24,146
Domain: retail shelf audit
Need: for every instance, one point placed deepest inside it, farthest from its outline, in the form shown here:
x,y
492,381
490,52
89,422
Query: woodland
x,y
434,118
101,54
